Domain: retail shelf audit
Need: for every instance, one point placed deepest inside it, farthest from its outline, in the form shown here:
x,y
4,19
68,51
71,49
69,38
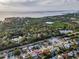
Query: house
x,y
60,57
70,54
17,39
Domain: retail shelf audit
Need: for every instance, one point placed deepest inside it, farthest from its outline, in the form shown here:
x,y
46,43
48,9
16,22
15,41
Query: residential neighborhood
x,y
52,48
40,38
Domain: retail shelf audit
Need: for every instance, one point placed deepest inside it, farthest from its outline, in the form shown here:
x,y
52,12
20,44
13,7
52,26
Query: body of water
x,y
3,15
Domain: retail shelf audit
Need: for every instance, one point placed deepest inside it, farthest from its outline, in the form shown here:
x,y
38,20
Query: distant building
x,y
65,31
49,22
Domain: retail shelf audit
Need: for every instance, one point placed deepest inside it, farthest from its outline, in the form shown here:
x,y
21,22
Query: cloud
x,y
30,5
34,2
19,2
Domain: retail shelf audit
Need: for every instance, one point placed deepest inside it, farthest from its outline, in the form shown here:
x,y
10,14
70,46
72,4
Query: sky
x,y
19,7
38,5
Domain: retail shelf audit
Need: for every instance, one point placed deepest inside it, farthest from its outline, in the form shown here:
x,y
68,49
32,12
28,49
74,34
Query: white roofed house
x,y
17,39
3,56
67,44
60,57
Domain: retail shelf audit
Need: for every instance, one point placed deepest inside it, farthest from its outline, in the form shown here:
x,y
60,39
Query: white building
x,y
65,31
49,22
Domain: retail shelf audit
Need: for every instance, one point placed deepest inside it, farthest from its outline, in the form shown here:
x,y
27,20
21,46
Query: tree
x,y
17,52
1,58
